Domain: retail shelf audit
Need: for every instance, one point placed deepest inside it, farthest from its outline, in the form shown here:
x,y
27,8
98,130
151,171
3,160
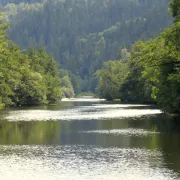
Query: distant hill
x,y
82,34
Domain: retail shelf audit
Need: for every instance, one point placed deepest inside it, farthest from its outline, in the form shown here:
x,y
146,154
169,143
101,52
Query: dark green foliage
x,y
83,34
66,85
175,9
26,78
154,71
135,89
110,77
163,69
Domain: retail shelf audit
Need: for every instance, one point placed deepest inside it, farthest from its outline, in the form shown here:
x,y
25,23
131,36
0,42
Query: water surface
x,y
89,140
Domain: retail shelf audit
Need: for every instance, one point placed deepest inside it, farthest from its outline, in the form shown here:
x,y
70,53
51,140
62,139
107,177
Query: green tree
x,y
66,85
175,9
110,79
26,78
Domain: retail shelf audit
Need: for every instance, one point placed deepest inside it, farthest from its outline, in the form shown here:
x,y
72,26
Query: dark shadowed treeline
x,y
153,73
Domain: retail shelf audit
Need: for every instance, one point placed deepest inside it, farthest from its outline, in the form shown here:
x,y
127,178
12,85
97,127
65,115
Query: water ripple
x,y
125,132
95,112
82,163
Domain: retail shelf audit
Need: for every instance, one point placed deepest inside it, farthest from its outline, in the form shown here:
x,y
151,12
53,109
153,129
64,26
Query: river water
x,y
84,139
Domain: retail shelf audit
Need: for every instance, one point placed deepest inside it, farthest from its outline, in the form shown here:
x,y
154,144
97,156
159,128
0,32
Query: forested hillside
x,y
150,73
82,34
30,78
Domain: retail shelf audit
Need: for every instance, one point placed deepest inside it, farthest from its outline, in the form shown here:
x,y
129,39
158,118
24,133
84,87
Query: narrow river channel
x,y
84,139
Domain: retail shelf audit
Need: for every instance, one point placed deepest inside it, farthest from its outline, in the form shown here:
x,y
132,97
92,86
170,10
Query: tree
x,y
26,78
66,85
175,9
110,79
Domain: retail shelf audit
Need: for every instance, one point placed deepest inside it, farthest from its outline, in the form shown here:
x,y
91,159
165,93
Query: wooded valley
x,y
118,49
82,34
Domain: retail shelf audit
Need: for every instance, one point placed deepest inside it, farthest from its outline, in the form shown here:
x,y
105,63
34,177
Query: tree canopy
x,y
153,74
82,34
26,78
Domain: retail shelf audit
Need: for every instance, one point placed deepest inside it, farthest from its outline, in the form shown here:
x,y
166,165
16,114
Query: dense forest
x,y
149,73
30,77
82,34
92,43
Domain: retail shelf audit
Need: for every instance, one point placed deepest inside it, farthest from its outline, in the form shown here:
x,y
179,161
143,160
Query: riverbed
x,y
89,139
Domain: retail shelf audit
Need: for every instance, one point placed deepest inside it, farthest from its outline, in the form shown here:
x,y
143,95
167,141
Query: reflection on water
x,y
126,132
131,142
29,132
92,112
86,99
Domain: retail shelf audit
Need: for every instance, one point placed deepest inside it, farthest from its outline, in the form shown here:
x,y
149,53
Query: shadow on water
x,y
169,142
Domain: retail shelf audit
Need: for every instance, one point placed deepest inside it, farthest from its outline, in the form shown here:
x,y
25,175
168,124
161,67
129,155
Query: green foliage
x,y
135,88
153,74
26,78
175,9
34,132
161,59
82,35
123,80
66,85
110,79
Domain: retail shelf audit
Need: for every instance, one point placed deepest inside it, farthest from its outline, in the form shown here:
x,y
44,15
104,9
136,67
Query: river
x,y
89,139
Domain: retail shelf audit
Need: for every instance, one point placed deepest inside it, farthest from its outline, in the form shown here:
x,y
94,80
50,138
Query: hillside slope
x,y
82,34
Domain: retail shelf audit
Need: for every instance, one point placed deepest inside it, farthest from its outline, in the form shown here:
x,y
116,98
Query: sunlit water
x,y
85,112
82,139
